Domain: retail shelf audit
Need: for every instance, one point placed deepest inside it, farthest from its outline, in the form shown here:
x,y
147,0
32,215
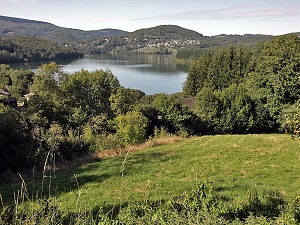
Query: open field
x,y
233,164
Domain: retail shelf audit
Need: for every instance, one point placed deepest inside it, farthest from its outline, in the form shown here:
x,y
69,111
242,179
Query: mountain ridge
x,y
12,26
161,39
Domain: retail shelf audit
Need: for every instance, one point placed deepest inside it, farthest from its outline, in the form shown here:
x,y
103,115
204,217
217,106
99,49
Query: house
x,y
6,99
189,102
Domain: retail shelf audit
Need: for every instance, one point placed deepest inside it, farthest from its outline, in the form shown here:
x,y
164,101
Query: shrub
x,y
132,128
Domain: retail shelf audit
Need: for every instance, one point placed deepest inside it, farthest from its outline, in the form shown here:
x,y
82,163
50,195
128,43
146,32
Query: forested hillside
x,y
193,52
164,39
167,39
26,49
11,27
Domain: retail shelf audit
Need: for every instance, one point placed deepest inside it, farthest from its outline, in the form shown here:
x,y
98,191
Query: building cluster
x,y
143,44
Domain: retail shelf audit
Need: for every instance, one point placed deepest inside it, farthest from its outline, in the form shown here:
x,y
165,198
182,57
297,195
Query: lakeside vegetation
x,y
29,49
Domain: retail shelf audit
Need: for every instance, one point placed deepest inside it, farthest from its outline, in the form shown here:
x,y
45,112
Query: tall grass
x,y
206,180
199,206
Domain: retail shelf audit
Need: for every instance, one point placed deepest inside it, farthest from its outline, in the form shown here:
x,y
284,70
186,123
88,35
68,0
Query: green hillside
x,y
167,39
163,39
166,31
234,165
11,27
27,49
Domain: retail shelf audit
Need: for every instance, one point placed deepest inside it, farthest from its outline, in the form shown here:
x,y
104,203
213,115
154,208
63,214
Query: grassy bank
x,y
232,164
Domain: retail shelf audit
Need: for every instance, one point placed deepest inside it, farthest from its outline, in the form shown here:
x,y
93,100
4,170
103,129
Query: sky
x,y
208,17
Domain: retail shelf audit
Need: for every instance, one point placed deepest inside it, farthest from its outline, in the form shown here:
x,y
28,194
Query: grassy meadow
x,y
233,165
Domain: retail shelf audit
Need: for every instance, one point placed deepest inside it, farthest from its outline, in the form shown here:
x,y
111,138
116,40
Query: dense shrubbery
x,y
242,90
67,115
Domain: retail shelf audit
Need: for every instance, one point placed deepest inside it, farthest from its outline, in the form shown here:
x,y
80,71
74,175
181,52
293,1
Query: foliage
x,y
276,73
227,111
24,49
194,52
89,91
17,148
131,128
291,119
124,100
63,115
218,69
173,116
239,89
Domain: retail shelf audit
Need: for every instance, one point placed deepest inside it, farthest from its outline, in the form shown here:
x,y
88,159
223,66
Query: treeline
x,y
213,43
26,49
242,89
67,115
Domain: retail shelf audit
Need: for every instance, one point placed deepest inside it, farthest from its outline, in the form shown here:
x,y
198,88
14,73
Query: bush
x,y
132,128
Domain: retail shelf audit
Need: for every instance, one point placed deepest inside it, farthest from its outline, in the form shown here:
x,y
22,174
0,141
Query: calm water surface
x,y
147,72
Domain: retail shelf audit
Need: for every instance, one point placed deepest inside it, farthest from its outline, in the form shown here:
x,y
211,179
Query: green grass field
x,y
234,164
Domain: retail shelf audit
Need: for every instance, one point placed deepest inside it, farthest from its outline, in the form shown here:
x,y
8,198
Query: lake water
x,y
149,73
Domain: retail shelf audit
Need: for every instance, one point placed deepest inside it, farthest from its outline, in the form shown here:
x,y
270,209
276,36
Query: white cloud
x,y
232,13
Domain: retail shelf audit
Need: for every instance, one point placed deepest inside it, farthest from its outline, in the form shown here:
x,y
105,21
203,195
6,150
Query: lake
x,y
149,73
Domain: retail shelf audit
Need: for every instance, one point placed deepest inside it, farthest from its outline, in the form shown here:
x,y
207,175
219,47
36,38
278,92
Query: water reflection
x,y
148,72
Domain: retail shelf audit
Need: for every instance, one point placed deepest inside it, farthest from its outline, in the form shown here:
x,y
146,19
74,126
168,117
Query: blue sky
x,y
209,17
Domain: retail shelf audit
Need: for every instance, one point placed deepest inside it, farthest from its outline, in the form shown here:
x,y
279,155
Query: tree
x,y
5,79
174,117
132,128
290,119
208,107
218,69
197,76
230,110
124,100
21,81
17,149
47,100
277,73
89,91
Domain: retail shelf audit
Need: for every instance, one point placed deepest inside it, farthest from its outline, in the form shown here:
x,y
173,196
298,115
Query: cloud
x,y
232,13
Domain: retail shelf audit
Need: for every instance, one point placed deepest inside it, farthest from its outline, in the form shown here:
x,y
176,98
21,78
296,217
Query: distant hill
x,y
159,40
166,32
11,27
165,39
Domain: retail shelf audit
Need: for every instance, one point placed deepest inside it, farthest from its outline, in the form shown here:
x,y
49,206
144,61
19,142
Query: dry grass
x,y
153,142
104,154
